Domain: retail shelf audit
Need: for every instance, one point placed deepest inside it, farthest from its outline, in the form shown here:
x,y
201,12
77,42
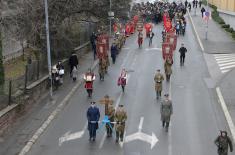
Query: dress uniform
x,y
120,118
102,68
166,112
110,114
93,116
158,83
168,70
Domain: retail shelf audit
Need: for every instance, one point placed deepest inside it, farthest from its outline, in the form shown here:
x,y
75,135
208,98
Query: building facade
x,y
226,5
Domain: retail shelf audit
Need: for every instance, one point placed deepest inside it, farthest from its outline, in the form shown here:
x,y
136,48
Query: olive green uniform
x,y
158,78
168,70
110,114
166,112
120,118
102,68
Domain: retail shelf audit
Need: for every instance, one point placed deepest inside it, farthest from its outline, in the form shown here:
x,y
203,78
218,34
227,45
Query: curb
x,y
52,116
226,113
195,31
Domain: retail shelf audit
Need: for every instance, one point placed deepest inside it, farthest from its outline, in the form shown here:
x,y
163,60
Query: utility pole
x,y
48,46
207,24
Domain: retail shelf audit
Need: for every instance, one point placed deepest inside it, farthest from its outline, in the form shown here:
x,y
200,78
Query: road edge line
x,y
195,31
226,113
51,117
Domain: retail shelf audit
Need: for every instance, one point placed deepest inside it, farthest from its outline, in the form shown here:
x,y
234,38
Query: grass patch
x,y
16,67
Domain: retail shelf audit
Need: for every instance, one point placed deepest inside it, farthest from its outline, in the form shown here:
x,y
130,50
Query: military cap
x,y
93,102
166,95
120,105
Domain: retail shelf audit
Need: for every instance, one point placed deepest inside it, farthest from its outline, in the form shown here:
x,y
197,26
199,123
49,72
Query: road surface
x,y
195,122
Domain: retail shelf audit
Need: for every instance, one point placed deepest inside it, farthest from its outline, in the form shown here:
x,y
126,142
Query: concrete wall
x,y
228,16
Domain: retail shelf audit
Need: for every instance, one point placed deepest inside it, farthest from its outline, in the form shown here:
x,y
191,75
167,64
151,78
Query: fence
x,y
37,69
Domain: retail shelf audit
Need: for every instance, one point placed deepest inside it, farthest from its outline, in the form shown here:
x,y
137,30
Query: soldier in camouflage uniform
x,y
107,63
158,78
110,114
166,112
223,142
102,68
168,70
120,119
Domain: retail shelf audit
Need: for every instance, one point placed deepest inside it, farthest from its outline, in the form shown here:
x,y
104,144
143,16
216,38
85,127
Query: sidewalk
x,y
218,40
25,126
219,53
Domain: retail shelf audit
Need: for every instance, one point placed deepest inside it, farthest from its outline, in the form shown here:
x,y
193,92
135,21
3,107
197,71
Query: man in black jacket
x,y
182,51
73,62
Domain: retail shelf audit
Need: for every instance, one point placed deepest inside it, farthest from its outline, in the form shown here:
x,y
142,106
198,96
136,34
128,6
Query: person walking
x,y
186,4
93,43
189,7
114,52
166,112
73,62
168,70
93,116
182,51
200,3
110,114
151,35
120,118
158,78
202,11
223,142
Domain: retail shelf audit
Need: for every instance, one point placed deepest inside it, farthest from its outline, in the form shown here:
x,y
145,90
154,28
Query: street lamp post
x,y
207,20
48,46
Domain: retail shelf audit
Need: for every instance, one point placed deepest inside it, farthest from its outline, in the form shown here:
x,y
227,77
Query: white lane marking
x,y
227,67
226,113
141,124
225,61
102,141
223,55
155,48
225,71
225,58
195,30
227,64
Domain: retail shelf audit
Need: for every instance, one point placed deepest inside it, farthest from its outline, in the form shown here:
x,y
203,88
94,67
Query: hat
x,y
158,70
120,105
106,96
166,95
93,102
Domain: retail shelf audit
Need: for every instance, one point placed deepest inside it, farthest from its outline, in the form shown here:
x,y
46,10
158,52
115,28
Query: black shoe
x,y
121,139
116,140
93,139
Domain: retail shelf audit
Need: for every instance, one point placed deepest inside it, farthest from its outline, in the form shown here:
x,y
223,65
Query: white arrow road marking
x,y
141,124
152,140
68,136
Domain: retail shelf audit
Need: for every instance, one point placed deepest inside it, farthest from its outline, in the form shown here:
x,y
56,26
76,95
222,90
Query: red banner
x,y
167,51
101,50
172,39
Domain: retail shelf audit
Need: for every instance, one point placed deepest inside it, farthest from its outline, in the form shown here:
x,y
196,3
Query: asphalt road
x,y
195,121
